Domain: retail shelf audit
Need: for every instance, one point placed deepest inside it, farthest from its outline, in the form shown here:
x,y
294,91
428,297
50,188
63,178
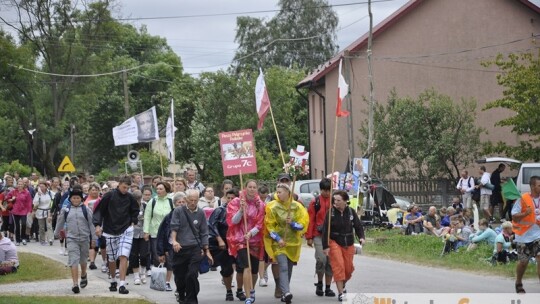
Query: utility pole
x,y
126,94
371,93
72,143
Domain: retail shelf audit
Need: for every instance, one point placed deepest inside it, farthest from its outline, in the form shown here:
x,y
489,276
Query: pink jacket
x,y
236,232
23,202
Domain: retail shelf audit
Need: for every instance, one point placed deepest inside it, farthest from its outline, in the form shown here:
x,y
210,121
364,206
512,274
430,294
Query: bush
x,y
16,166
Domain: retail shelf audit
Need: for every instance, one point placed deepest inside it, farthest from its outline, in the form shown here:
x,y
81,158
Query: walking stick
x,y
248,283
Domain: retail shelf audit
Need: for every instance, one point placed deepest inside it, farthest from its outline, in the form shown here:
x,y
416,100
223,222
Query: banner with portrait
x,y
237,152
142,127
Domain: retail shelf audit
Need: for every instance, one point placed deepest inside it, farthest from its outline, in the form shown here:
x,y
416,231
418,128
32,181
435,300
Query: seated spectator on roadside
x,y
9,261
502,251
442,212
445,221
451,238
457,205
468,217
463,233
483,235
395,215
414,221
432,225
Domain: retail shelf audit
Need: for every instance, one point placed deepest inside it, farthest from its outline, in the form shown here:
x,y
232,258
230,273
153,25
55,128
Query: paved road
x,y
371,276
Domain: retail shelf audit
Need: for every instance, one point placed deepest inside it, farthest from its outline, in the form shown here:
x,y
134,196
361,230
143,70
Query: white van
x,y
526,170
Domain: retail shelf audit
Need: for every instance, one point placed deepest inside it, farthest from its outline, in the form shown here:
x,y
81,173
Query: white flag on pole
x,y
169,134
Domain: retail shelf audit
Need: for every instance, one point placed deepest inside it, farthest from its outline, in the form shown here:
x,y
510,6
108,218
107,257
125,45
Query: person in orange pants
x,y
341,224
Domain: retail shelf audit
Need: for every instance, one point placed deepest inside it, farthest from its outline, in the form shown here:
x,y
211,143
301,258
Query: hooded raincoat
x,y
275,221
236,232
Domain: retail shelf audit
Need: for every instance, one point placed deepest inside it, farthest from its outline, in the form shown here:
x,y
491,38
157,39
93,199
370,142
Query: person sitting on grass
x,y
432,225
464,232
457,204
9,261
503,245
414,221
80,236
445,221
484,235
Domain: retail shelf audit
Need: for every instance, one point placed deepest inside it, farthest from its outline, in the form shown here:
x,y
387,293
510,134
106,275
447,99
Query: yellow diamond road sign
x,y
66,165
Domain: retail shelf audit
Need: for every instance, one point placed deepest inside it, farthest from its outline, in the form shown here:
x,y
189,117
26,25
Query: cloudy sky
x,y
206,43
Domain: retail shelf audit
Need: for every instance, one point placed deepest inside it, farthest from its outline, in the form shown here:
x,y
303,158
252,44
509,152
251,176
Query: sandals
x,y
84,281
519,288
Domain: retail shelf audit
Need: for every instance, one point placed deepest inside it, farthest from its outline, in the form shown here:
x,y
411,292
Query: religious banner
x,y
142,127
237,152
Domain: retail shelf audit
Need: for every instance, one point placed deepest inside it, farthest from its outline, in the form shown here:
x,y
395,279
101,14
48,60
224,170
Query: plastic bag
x,y
204,265
157,281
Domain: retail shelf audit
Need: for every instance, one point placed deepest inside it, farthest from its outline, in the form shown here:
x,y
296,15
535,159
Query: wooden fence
x,y
424,192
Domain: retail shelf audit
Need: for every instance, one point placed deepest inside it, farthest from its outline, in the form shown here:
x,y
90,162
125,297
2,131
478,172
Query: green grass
x,y
35,267
17,299
426,250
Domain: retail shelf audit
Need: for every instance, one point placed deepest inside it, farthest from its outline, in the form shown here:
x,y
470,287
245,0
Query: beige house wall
x,y
439,44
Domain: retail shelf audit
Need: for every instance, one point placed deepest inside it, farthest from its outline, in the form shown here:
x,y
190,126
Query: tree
x,y
431,136
58,37
302,34
520,77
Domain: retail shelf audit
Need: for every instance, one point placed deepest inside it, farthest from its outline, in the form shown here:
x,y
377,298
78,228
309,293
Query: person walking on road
x,y
343,223
80,235
189,234
317,210
286,222
22,205
114,218
526,226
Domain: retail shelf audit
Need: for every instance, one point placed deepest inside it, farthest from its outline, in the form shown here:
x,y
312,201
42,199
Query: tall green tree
x,y
426,137
520,77
302,34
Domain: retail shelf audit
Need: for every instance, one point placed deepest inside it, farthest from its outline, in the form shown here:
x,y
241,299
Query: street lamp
x,y
31,132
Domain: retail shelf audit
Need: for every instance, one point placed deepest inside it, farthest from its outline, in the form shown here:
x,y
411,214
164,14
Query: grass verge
x,y
17,299
35,267
426,250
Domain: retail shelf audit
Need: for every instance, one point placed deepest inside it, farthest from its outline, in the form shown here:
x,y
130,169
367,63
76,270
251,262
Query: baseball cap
x,y
284,176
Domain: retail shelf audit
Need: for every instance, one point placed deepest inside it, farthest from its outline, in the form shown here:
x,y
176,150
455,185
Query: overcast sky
x,y
207,43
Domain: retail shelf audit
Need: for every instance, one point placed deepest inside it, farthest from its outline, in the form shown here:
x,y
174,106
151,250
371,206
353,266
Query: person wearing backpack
x,y
43,201
80,235
340,228
317,210
156,210
466,186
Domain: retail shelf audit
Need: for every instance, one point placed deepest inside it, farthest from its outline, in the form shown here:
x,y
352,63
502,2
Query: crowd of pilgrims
x,y
181,224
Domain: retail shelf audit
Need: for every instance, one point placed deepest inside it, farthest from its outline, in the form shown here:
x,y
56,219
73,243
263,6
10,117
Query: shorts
x,y
242,262
101,243
119,245
528,250
77,252
496,199
484,201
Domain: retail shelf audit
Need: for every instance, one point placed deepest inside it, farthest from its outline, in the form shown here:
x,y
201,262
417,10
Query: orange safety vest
x,y
528,221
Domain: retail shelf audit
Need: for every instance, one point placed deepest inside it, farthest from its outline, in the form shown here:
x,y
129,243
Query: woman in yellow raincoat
x,y
286,222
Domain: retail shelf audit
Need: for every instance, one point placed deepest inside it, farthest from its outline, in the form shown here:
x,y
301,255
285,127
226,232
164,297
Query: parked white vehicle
x,y
526,170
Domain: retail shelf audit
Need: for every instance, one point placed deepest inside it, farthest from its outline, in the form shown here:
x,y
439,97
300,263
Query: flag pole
x,y
248,281
173,156
332,176
161,158
277,136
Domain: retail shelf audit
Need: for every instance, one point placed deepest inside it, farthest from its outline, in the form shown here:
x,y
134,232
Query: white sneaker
x,y
263,283
65,252
103,268
137,281
149,273
143,279
61,251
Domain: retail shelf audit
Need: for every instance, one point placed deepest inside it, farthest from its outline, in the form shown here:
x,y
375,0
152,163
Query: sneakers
x,y
287,297
84,281
113,287
168,287
229,296
263,282
104,268
252,295
137,281
117,273
50,242
92,266
75,289
318,290
241,295
277,292
342,297
329,293
149,273
17,244
143,278
24,242
123,290
250,301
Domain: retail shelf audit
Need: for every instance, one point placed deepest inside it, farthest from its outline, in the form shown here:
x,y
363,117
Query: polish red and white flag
x,y
343,90
262,101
